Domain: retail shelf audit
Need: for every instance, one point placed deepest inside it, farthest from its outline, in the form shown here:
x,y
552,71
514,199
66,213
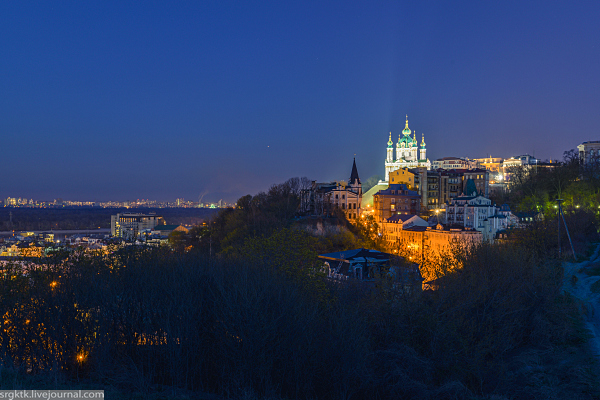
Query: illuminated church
x,y
409,154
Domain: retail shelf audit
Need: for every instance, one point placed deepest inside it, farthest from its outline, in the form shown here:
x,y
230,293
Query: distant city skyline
x,y
124,100
138,203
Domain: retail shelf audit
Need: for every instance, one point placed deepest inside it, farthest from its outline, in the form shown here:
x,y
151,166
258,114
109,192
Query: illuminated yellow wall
x,y
402,175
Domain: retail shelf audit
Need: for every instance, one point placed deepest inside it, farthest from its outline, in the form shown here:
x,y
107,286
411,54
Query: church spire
x,y
354,174
406,130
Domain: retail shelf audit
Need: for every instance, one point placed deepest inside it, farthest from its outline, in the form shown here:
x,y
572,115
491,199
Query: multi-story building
x,y
323,198
480,178
589,151
525,160
419,241
409,154
402,175
10,251
492,164
435,239
454,163
396,199
438,187
130,225
469,211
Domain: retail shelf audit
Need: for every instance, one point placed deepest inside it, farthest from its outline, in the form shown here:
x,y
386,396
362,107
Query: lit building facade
x,y
402,175
492,164
470,211
419,243
130,225
396,199
454,163
437,187
589,151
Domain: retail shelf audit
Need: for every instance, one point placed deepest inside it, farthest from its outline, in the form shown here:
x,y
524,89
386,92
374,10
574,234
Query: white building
x,y
470,211
409,154
589,151
130,225
518,161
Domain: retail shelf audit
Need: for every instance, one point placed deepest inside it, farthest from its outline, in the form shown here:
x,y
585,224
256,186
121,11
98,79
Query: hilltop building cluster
x,y
429,204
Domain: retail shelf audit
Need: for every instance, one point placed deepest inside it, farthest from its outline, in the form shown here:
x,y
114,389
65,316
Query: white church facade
x,y
409,154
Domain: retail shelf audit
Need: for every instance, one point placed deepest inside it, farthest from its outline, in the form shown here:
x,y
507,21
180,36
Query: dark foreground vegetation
x,y
146,321
240,309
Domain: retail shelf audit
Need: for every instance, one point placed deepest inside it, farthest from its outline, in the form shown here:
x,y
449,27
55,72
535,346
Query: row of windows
x,y
349,206
400,192
393,207
592,152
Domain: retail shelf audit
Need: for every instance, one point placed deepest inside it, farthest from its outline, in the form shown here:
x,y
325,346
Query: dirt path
x,y
580,288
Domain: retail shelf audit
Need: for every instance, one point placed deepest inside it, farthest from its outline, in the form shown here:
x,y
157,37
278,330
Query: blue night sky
x,y
129,100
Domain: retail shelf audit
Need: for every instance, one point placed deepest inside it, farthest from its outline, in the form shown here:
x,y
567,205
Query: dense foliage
x,y
264,321
240,308
536,188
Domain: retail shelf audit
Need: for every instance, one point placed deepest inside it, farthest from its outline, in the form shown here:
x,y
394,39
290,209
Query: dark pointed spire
x,y
354,174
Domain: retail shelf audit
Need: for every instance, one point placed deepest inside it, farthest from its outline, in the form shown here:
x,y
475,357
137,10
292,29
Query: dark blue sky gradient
x,y
114,100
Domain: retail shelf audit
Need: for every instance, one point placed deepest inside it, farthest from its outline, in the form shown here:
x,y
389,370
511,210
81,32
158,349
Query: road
x,y
581,289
